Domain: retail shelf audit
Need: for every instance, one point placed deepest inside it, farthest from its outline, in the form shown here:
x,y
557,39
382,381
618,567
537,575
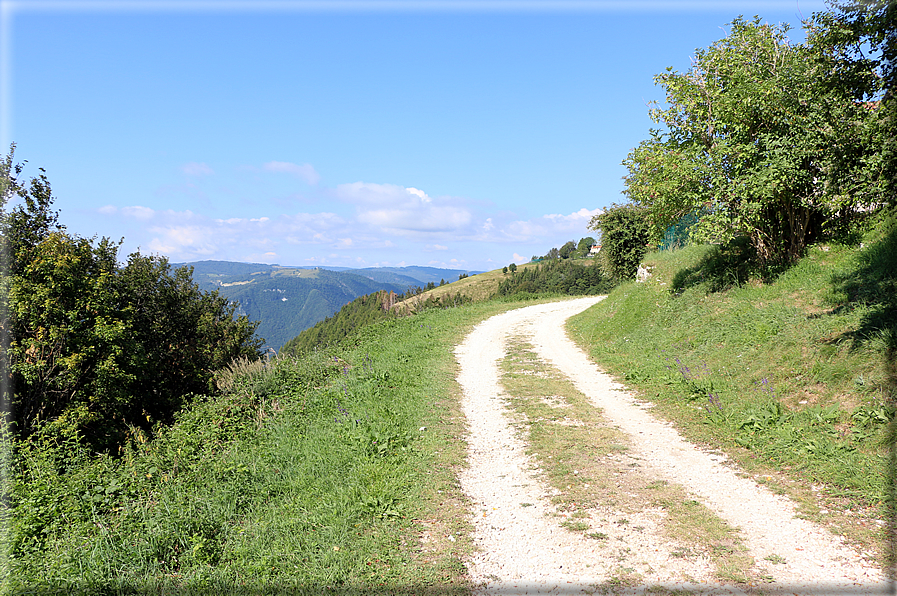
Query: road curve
x,y
522,550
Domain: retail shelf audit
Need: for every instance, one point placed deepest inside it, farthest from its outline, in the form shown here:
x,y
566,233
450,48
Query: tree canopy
x,y
763,138
95,347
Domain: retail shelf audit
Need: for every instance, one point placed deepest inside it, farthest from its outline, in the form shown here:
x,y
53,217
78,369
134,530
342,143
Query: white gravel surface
x,y
524,550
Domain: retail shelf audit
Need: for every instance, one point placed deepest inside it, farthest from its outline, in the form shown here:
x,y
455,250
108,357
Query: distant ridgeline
x,y
287,300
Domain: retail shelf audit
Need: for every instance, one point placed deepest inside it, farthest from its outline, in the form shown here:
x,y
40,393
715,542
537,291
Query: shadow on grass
x,y
872,285
726,266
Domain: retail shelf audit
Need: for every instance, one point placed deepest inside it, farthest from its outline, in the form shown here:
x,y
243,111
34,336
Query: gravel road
x,y
524,550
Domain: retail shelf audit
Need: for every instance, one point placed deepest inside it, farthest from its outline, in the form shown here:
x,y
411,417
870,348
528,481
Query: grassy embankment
x,y
331,471
794,378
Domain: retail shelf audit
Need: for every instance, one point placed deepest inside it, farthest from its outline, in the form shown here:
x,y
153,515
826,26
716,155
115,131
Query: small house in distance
x,y
596,248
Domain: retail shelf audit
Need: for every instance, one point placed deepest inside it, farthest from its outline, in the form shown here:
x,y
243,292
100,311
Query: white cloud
x,y
583,215
423,196
139,212
305,171
180,241
550,225
197,169
381,223
188,236
374,194
135,211
241,220
265,257
436,219
394,209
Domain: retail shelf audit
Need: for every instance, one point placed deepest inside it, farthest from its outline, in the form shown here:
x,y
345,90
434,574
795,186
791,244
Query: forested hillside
x,y
285,305
285,301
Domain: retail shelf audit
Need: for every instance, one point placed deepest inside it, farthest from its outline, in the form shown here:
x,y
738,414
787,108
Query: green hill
x,y
288,300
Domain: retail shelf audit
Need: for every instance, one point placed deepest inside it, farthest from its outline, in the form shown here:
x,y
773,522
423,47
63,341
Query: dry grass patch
x,y
443,538
478,288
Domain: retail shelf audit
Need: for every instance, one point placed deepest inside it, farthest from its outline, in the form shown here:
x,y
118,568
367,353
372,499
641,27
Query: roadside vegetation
x,y
334,471
794,377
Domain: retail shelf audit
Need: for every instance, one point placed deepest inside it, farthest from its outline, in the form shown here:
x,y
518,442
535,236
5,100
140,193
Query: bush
x,y
95,348
564,276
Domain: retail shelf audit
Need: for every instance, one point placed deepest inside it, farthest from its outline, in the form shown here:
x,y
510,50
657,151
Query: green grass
x,y
332,471
793,377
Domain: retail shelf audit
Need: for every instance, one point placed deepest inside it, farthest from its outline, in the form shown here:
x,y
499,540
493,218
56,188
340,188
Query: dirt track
x,y
524,550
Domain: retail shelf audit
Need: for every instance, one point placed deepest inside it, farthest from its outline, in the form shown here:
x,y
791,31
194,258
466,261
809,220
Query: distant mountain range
x,y
287,300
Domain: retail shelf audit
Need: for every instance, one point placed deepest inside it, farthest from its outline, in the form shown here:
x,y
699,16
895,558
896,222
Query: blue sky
x,y
463,135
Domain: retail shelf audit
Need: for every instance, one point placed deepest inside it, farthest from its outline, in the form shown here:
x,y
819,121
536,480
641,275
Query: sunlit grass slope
x,y
331,472
485,286
477,288
795,377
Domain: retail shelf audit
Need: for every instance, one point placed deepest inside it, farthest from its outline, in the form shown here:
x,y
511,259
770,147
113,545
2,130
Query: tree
x,y
512,267
30,221
565,276
764,139
858,33
624,236
567,250
584,246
